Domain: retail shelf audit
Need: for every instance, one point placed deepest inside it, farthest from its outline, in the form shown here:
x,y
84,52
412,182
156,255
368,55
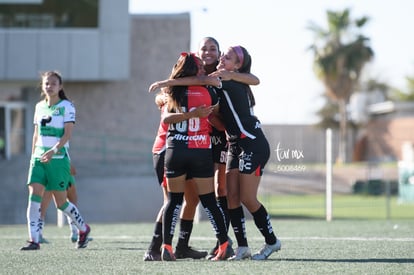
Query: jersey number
x,y
193,123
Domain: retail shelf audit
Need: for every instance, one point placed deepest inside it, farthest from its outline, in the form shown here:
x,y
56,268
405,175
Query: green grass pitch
x,y
312,246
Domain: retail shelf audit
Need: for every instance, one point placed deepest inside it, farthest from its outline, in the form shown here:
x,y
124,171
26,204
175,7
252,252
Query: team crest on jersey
x,y
245,163
58,111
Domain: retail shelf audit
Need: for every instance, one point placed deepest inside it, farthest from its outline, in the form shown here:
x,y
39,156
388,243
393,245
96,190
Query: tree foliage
x,y
340,53
408,95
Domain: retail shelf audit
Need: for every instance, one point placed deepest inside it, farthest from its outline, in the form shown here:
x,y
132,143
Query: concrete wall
x,y
118,187
80,54
125,108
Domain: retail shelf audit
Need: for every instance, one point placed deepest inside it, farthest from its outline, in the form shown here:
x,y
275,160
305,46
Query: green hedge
x,y
375,187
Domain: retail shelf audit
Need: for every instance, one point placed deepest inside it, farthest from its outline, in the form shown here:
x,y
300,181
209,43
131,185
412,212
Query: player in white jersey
x,y
49,170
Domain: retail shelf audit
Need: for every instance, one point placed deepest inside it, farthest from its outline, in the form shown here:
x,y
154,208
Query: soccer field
x,y
308,247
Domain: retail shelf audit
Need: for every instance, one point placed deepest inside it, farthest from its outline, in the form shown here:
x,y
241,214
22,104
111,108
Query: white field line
x,y
365,239
148,237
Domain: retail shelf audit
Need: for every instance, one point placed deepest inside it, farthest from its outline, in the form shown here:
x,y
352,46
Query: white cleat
x,y
267,250
242,253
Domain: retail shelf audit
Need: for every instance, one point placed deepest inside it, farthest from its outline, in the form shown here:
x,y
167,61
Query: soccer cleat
x,y
213,252
229,251
188,252
242,253
83,237
151,255
267,250
42,240
167,253
31,246
221,253
74,237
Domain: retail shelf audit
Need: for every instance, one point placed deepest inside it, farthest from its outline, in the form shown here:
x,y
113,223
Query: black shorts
x,y
219,147
248,155
158,162
197,163
233,154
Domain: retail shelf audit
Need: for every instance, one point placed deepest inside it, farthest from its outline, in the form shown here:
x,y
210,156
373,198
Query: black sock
x,y
156,241
238,222
186,227
262,221
171,216
223,203
215,215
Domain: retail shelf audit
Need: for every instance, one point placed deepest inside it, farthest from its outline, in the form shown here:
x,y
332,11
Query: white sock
x,y
34,223
72,211
72,226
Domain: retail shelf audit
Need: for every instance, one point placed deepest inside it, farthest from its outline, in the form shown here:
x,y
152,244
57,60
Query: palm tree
x,y
340,53
328,114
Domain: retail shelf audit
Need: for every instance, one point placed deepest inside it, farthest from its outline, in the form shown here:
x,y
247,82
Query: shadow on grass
x,y
371,260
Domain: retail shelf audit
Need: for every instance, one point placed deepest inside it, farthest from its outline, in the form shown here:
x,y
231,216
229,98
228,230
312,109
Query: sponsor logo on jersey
x,y
216,140
191,138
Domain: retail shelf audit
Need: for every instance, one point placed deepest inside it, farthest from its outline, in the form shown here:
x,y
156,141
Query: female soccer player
x,y
49,170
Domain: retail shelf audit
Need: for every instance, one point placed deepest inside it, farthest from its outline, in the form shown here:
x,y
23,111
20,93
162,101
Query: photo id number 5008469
x,y
290,168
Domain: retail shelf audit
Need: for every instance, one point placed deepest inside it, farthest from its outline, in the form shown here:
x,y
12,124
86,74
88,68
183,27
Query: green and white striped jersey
x,y
51,125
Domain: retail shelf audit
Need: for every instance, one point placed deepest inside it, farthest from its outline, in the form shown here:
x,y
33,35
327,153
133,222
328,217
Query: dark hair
x,y
247,61
59,77
245,68
187,65
211,68
214,41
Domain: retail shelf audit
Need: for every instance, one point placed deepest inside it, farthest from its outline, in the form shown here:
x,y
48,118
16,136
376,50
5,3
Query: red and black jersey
x,y
160,140
193,133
